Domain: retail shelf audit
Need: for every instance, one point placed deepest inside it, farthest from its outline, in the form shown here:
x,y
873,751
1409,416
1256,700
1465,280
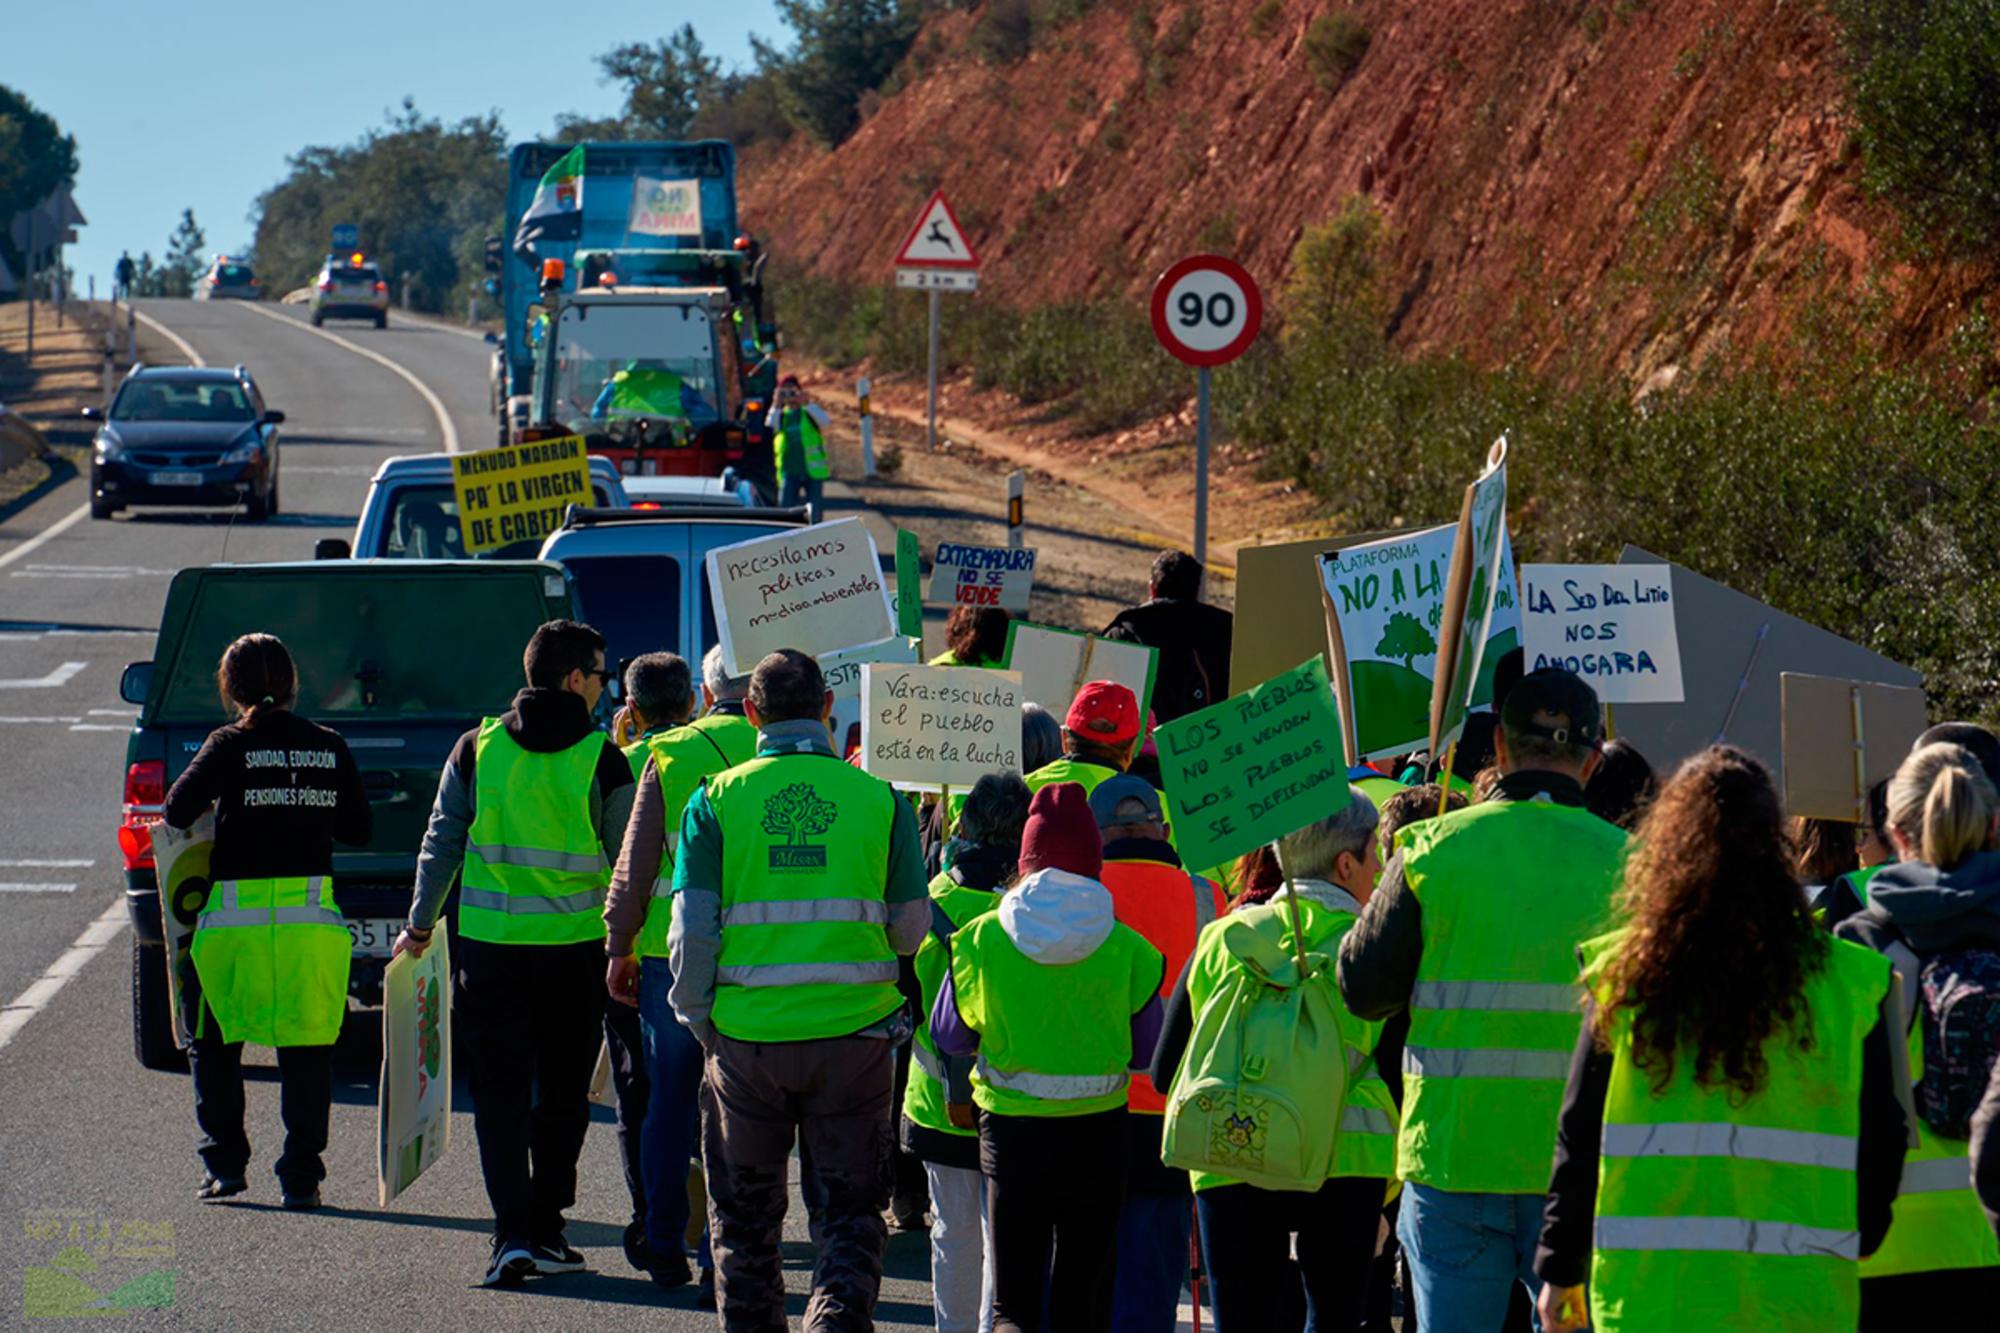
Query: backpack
x,y
1258,1094
1960,1009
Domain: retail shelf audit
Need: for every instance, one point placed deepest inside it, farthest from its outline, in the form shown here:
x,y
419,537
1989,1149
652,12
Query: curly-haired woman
x,y
1731,1137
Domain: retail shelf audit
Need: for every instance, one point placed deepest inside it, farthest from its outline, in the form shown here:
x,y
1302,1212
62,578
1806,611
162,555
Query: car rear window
x,y
634,601
233,273
422,524
368,274
159,399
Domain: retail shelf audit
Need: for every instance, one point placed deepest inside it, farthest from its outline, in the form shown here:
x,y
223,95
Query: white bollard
x,y
867,429
1017,485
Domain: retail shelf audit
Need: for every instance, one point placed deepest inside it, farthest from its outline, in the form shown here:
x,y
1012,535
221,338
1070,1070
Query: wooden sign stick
x,y
1292,901
1860,760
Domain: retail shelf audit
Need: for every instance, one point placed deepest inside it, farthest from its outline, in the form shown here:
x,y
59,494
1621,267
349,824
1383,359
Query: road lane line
x,y
98,934
446,431
187,349
96,726
56,679
16,886
32,863
40,719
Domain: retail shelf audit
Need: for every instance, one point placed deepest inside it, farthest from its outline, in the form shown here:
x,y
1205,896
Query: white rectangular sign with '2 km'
x,y
1611,624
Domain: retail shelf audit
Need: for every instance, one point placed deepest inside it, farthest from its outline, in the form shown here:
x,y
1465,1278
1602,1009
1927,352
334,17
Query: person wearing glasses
x,y
532,806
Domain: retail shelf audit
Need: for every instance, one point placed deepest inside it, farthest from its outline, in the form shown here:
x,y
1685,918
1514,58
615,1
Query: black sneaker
x,y
704,1291
635,1244
214,1189
301,1200
555,1257
510,1266
668,1271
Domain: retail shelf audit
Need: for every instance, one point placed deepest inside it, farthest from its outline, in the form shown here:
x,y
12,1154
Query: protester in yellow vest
x,y
531,804
1474,930
798,443
1247,1233
1100,731
1943,897
797,883
672,760
1058,1001
1731,1131
937,1124
270,953
974,636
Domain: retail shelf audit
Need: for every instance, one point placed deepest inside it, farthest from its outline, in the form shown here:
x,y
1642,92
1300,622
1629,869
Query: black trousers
x,y
530,1017
1246,1237
305,1097
1055,1185
1941,1298
629,1081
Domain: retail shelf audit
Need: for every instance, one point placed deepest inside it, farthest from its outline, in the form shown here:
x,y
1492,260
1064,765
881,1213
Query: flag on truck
x,y
556,212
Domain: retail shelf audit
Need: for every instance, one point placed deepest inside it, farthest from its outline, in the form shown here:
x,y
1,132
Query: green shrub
x,y
1004,33
1334,45
1264,19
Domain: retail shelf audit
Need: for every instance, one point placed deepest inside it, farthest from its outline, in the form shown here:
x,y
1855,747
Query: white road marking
x,y
36,997
39,719
89,572
38,633
56,679
113,712
34,864
446,431
11,886
194,357
96,726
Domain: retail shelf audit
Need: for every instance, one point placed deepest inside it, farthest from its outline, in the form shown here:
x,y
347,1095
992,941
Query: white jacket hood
x,y
1056,917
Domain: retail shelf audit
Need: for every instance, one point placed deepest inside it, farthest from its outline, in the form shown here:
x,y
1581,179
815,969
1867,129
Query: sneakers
x,y
555,1257
510,1266
303,1200
668,1271
635,1244
214,1189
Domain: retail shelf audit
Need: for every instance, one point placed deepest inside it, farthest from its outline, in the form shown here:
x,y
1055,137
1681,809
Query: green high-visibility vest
x,y
812,445
272,958
1379,790
805,941
534,869
1939,1224
683,757
1507,891
647,390
1719,1212
925,1098
1054,1040
1080,771
1366,1146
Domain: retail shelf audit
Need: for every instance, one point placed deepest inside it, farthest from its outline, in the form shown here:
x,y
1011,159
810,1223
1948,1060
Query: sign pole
x,y
1201,379
1206,311
930,441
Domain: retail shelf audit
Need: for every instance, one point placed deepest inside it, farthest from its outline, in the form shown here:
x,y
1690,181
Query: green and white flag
x,y
556,212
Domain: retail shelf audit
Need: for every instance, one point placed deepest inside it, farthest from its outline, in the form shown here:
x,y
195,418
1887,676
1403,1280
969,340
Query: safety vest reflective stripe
x,y
926,1060
1510,996
806,911
537,858
1740,1235
1435,1062
806,974
1052,1087
227,911
1791,1147
521,904
1366,1120
1936,1174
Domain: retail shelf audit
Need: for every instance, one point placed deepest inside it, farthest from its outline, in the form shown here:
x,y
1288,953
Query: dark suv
x,y
182,435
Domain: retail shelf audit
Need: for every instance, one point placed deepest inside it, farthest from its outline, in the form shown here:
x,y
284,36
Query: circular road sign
x,y
1206,310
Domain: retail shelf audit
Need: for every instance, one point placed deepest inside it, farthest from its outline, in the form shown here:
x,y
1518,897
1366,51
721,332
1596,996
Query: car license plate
x,y
374,937
175,478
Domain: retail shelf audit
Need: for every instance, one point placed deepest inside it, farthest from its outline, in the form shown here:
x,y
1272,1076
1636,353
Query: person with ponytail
x,y
1731,1134
1942,897
270,954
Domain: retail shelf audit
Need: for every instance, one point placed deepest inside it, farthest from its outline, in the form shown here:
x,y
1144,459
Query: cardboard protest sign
x,y
180,861
1841,737
983,576
842,669
1471,589
1734,649
815,589
1611,624
518,492
926,727
909,598
413,1115
1385,605
1272,582
1254,767
1056,663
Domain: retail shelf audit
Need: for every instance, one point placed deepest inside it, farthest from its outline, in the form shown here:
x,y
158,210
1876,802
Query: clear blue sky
x,y
198,104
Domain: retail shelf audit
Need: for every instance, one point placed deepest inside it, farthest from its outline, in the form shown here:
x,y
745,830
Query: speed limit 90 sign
x,y
1206,310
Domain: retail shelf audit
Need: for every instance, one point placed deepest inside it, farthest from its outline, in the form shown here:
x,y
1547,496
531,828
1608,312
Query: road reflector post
x,y
1017,485
861,387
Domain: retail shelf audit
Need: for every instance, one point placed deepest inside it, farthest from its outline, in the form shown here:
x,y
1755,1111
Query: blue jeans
x,y
807,491
1153,1233
1466,1252
668,1139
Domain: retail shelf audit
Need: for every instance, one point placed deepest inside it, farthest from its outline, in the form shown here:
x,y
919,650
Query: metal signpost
x,y
936,258
1206,312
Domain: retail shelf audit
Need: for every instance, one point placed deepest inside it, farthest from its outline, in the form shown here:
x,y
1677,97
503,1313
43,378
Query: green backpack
x,y
1257,1097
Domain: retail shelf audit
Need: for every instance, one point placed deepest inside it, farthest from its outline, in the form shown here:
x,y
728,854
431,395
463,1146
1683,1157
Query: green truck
x,y
400,657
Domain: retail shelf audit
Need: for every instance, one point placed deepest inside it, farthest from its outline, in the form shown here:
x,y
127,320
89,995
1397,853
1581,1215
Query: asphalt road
x,y
98,1154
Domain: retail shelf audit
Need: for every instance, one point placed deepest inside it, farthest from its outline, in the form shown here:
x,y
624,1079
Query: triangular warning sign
x,y
937,241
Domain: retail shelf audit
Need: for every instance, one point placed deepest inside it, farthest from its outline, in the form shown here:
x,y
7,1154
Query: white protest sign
x,y
926,727
842,669
815,589
1613,625
982,576
665,208
413,1114
1056,663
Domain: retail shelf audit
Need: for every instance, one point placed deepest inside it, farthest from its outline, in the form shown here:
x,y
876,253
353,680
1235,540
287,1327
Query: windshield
x,y
422,524
238,273
367,275
156,399
634,601
622,364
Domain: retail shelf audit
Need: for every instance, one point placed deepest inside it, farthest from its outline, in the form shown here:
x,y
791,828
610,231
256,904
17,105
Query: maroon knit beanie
x,y
1061,833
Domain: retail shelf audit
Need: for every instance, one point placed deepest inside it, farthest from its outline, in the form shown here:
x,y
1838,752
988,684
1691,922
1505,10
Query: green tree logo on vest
x,y
792,814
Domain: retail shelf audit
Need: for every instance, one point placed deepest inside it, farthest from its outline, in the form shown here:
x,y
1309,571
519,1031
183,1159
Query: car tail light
x,y
145,801
529,434
381,286
645,504
326,286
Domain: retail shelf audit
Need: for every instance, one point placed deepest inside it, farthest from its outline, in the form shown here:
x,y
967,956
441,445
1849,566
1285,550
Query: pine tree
x,y
183,262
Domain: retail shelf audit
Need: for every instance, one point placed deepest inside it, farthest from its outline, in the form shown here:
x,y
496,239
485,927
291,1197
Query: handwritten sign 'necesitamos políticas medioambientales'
x,y
925,727
1613,625
815,589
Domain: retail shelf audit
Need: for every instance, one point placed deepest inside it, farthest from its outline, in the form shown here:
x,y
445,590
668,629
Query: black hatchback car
x,y
182,435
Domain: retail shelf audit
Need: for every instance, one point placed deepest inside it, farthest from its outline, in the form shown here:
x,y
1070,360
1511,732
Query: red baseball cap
x,y
1104,711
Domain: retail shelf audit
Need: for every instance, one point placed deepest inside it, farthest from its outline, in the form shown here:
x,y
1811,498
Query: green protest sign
x,y
1471,590
909,586
1254,767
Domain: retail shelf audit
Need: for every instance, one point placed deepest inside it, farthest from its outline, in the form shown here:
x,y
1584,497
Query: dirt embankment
x,y
1621,184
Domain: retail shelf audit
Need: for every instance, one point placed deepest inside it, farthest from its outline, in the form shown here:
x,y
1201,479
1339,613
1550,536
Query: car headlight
x,y
109,447
244,449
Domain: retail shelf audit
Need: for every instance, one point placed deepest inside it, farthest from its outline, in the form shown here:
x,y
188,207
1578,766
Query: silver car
x,y
350,288
227,279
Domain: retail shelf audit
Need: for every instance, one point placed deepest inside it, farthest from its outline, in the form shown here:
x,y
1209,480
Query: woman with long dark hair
x,y
1730,1137
269,962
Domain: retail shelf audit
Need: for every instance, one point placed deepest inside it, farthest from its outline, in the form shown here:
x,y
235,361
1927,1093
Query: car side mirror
x,y
91,413
332,548
136,683
274,418
492,340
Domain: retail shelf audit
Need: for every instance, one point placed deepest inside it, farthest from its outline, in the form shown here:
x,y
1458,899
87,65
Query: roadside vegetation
x,y
35,158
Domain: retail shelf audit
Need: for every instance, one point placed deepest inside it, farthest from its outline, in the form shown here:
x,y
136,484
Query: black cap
x,y
1985,746
1555,705
1113,792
